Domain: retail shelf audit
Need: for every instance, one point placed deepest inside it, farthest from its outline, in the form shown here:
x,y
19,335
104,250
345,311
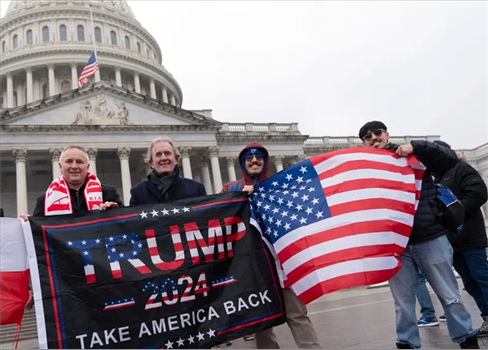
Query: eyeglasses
x,y
257,156
376,133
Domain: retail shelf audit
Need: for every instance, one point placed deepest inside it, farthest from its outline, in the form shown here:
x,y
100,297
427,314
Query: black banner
x,y
187,274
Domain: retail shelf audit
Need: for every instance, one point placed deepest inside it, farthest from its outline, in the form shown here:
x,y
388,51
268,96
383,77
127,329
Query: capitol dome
x,y
45,44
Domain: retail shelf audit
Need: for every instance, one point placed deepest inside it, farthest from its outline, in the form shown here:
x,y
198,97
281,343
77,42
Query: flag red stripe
x,y
349,254
365,164
368,183
373,203
343,231
354,150
348,281
14,292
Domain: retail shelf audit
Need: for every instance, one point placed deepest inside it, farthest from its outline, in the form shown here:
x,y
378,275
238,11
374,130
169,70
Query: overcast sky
x,y
420,67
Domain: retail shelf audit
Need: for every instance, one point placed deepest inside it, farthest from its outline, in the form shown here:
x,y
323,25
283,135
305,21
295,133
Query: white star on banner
x,y
191,339
154,213
174,210
186,210
165,212
201,336
143,215
169,345
211,333
180,342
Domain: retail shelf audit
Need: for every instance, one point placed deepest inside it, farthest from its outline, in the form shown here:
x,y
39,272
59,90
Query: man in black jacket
x,y
164,182
470,245
76,190
428,247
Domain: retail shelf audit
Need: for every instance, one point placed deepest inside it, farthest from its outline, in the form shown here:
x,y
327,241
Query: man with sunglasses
x,y
254,162
428,248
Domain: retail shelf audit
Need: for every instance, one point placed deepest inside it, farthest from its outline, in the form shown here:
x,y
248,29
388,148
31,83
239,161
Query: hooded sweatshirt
x,y
247,179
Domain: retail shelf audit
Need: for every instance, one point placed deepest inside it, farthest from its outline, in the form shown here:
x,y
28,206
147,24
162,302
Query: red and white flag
x,y
14,271
340,219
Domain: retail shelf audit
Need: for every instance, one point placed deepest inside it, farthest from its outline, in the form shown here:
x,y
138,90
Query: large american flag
x,y
340,219
90,69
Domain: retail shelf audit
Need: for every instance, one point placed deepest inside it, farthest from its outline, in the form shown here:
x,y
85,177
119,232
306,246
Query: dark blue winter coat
x,y
146,192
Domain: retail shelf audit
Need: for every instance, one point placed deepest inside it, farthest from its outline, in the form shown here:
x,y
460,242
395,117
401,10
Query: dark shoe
x,y
470,343
483,330
404,346
428,322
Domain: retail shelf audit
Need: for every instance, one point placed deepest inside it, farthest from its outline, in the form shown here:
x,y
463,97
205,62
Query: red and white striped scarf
x,y
58,198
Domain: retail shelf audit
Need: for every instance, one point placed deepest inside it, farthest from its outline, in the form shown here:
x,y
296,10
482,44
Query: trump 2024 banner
x,y
186,274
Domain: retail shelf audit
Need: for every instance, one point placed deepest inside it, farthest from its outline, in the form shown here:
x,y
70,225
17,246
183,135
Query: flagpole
x,y
93,32
94,41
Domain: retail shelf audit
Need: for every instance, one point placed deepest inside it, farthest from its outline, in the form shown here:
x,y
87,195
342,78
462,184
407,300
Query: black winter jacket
x,y
468,186
109,194
146,192
427,222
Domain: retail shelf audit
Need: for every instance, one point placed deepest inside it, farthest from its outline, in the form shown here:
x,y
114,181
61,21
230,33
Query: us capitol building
x,y
130,101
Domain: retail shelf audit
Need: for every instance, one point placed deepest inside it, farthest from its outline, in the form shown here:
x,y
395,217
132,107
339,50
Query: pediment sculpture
x,y
103,113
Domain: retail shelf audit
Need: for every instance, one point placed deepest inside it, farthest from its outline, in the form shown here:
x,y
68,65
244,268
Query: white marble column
x,y
123,153
206,176
214,161
97,75
172,99
137,83
21,180
20,95
301,157
118,76
55,154
92,158
10,91
165,94
74,75
52,83
152,87
30,84
185,161
278,161
231,161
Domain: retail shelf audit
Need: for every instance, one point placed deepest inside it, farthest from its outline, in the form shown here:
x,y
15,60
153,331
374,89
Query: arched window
x,y
81,32
139,47
127,42
3,46
45,90
65,86
147,52
45,34
63,33
98,35
15,99
28,37
16,41
113,38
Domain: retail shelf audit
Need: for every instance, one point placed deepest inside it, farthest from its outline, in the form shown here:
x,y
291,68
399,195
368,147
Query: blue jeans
x,y
434,259
426,308
472,266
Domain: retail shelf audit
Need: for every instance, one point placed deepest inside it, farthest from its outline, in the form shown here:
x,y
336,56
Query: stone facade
x,y
132,100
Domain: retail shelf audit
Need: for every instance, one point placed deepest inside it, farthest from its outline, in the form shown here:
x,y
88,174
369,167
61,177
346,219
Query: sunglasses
x,y
257,156
376,133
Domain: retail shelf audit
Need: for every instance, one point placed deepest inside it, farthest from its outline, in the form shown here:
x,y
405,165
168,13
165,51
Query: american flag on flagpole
x,y
340,219
90,69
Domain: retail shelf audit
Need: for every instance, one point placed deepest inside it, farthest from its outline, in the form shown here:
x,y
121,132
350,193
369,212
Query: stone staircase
x,y
28,330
